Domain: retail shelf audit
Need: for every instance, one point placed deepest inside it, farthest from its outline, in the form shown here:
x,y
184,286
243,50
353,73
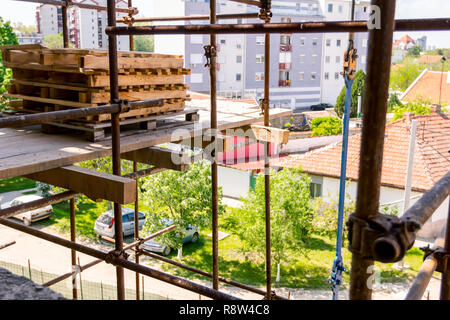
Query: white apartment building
x,y
335,44
86,26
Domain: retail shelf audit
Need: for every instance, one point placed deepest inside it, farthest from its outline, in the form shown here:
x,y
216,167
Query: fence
x,y
87,290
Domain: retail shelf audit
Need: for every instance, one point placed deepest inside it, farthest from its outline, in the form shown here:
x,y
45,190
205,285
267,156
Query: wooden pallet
x,y
98,132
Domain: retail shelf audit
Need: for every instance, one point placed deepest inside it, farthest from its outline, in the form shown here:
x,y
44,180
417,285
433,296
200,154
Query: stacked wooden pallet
x,y
56,79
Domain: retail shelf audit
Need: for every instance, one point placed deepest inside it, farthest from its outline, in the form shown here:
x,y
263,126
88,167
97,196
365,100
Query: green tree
x,y
23,29
55,41
416,107
182,197
402,76
291,216
7,37
357,89
144,43
414,51
393,102
326,126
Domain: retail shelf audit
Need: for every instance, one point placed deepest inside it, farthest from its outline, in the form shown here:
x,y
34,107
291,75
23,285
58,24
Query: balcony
x,y
284,83
285,48
285,66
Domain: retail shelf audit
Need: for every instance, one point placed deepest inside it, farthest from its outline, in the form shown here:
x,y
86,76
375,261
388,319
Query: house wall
x,y
330,189
234,183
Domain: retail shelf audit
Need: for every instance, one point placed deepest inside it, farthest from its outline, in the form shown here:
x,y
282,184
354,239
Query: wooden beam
x,y
261,133
95,185
160,158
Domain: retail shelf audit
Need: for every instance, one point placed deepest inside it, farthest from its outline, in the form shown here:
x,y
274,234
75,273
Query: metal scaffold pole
x,y
375,99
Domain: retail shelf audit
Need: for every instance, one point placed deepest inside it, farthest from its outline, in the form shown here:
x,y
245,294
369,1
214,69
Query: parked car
x,y
33,215
191,235
104,225
321,106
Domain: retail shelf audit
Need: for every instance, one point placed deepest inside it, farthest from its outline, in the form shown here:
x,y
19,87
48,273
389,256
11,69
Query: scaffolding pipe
x,y
206,274
372,141
445,282
136,220
131,40
73,253
70,274
193,17
36,204
117,261
65,27
214,180
115,142
300,27
76,4
43,117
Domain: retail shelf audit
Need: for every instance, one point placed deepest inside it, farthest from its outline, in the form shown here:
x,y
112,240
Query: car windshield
x,y
105,218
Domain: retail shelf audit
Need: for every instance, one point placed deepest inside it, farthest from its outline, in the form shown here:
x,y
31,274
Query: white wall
x,y
234,183
168,44
330,189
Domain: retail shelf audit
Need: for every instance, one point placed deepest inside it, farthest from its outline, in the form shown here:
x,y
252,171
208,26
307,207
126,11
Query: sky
x,y
16,11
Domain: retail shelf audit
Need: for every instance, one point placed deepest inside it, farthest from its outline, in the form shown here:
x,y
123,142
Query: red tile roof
x,y
426,86
431,157
427,58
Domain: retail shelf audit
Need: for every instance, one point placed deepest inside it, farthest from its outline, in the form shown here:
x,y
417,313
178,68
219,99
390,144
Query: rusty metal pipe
x,y
65,27
300,27
249,2
194,17
422,279
75,4
115,142
445,282
206,274
36,204
30,119
136,217
5,245
109,258
372,141
70,274
73,253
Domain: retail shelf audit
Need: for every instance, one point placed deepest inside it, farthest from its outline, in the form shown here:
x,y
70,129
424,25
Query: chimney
x,y
435,108
408,116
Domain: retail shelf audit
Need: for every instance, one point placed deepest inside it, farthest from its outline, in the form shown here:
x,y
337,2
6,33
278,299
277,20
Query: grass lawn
x,y
16,183
310,270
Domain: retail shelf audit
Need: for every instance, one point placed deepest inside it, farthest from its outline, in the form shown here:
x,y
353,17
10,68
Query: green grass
x,y
16,183
309,270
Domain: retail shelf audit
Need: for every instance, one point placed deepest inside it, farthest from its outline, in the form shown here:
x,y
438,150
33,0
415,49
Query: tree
x,y
416,107
7,37
326,126
23,29
414,51
54,41
291,216
403,75
357,89
182,197
393,102
144,43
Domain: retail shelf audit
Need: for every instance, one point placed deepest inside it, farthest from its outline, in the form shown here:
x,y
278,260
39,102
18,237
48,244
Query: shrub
x,y
326,126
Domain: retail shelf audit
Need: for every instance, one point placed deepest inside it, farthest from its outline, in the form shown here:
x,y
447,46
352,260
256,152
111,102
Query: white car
x,y
104,225
191,235
33,215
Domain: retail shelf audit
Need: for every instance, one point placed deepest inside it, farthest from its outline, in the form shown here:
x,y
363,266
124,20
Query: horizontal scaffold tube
x,y
76,4
193,17
30,119
301,27
111,258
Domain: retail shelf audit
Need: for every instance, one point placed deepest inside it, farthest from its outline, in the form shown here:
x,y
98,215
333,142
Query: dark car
x,y
321,106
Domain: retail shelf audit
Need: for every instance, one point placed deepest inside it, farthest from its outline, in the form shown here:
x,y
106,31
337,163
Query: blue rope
x,y
338,263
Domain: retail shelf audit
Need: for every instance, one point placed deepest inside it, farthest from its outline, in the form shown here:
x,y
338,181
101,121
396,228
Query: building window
x,y
302,41
328,42
313,58
196,77
364,43
239,21
327,59
326,76
338,59
222,41
238,59
302,76
330,7
315,189
302,58
336,75
238,77
363,59
260,40
259,58
196,58
340,8
338,42
314,42
313,76
238,43
259,76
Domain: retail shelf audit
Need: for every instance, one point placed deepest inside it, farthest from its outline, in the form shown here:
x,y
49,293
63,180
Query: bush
x,y
393,102
414,107
326,126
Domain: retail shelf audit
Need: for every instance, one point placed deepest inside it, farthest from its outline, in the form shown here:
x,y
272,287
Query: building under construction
x,y
43,93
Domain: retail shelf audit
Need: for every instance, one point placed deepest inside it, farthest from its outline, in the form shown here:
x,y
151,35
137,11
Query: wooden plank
x,y
132,80
94,184
104,97
160,158
95,62
34,46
